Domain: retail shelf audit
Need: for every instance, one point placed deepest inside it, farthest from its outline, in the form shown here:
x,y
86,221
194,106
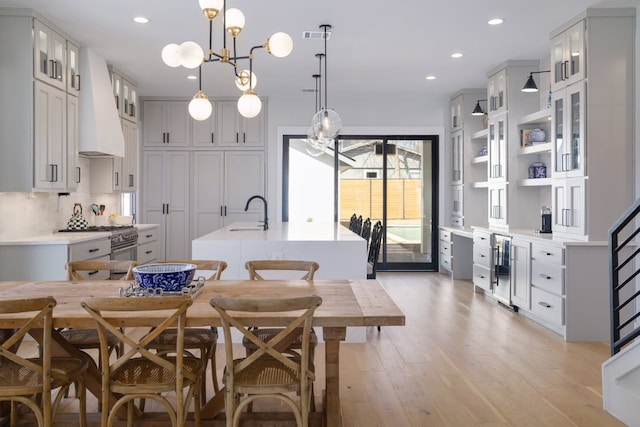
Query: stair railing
x,y
624,261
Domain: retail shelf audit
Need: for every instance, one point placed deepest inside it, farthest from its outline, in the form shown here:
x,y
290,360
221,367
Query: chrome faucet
x,y
266,220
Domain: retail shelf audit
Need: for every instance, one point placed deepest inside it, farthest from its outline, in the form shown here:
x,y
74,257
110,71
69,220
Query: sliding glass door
x,y
388,179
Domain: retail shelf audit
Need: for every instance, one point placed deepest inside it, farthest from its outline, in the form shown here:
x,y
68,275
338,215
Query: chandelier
x,y
190,55
326,123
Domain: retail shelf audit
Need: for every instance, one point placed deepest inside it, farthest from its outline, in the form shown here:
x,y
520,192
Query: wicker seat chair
x,y
141,373
21,379
204,340
87,339
268,372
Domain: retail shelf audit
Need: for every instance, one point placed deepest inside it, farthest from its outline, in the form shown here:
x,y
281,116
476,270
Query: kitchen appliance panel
x,y
502,268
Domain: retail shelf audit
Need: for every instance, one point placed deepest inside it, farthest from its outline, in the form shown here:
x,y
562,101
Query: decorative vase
x,y
536,135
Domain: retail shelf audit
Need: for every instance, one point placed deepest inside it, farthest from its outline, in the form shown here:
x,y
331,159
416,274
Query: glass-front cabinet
x,y
456,157
498,204
569,206
497,92
568,57
497,148
50,56
568,131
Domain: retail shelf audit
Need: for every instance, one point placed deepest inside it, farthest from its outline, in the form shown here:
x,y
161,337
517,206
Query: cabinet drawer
x,y
549,277
445,235
445,248
548,306
148,252
145,236
445,263
97,274
482,255
547,253
89,250
482,277
481,238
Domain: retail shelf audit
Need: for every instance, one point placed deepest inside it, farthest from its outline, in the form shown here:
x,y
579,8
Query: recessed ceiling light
x,y
140,20
430,77
495,21
192,77
457,55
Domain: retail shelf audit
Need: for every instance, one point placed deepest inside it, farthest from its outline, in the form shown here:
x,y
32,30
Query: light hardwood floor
x,y
461,360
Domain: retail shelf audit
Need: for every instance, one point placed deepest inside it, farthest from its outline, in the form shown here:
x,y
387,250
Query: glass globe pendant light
x,y
246,80
200,107
249,105
326,123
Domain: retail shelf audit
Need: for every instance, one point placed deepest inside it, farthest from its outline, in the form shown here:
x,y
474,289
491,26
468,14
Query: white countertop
x,y
526,233
286,231
65,238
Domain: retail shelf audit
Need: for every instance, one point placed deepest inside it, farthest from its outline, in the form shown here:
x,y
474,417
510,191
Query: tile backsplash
x,y
33,214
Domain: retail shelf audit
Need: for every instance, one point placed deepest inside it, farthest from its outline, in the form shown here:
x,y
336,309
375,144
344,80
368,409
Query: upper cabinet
x,y
125,94
234,130
497,92
568,56
166,124
50,56
73,69
568,131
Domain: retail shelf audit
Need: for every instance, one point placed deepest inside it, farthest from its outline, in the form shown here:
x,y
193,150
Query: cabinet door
x,y
456,113
243,178
153,124
116,86
73,73
457,200
569,206
521,273
237,131
498,204
568,57
498,149
50,137
166,123
177,123
50,56
569,128
74,174
176,183
207,204
129,101
203,132
130,161
456,157
497,92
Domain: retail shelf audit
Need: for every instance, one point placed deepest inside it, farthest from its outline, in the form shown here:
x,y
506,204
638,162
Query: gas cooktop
x,y
98,228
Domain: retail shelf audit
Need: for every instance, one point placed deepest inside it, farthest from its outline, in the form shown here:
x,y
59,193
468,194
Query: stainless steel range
x,y
124,241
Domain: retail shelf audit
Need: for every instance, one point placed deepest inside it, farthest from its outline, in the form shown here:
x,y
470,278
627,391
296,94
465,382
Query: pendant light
x,y
315,147
326,123
530,85
478,111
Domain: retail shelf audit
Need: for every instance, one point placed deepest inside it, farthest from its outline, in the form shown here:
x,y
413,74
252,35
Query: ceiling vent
x,y
315,35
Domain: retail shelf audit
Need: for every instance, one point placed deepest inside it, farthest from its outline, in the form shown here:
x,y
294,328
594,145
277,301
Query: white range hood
x,y
100,128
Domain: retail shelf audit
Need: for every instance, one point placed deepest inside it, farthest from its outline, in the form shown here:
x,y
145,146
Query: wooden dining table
x,y
345,303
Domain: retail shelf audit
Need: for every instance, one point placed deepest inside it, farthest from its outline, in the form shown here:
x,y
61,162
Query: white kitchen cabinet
x,y
457,157
445,250
38,114
457,118
73,71
568,57
234,130
497,195
129,109
223,181
165,200
118,174
457,202
73,169
166,124
203,132
50,122
50,56
521,273
569,206
482,259
498,143
497,92
148,249
17,260
569,131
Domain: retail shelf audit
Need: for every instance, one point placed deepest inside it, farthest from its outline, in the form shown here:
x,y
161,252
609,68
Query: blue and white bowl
x,y
168,277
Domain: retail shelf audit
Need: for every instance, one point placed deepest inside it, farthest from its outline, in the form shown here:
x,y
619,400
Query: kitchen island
x,y
342,254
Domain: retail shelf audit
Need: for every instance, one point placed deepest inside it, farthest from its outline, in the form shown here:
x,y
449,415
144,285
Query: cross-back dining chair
x,y
23,378
82,271
202,339
268,372
141,373
258,269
